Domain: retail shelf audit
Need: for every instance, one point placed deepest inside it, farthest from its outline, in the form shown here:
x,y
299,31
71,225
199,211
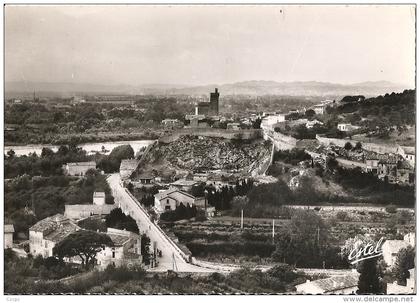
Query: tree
x,y
369,279
348,146
271,194
310,113
84,244
306,238
117,219
11,153
358,146
404,262
145,248
257,123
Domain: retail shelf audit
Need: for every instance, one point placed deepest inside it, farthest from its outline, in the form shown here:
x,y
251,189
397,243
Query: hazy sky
x,y
210,44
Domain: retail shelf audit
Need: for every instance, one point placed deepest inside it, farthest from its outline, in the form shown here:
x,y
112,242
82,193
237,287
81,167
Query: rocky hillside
x,y
207,153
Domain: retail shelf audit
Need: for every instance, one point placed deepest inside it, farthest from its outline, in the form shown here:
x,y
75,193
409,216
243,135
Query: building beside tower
x,y
209,108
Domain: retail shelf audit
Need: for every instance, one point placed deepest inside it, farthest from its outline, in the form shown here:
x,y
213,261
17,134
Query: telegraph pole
x,y
242,219
273,229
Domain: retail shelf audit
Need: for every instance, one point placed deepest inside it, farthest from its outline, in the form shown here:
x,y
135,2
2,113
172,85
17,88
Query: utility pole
x,y
242,219
174,266
317,229
273,229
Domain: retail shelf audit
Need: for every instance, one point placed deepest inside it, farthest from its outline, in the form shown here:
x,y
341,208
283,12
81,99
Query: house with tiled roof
x,y
170,199
126,249
45,234
344,285
408,153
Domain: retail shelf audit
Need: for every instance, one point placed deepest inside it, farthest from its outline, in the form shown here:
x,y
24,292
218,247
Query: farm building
x,y
171,198
81,211
45,234
125,251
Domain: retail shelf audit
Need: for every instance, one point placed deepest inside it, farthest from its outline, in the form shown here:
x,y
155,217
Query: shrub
x,y
391,209
342,216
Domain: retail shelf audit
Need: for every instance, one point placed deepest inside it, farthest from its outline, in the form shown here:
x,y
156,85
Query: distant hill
x,y
257,88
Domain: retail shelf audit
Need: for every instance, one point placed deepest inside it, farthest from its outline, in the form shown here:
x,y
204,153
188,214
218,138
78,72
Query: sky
x,y
197,45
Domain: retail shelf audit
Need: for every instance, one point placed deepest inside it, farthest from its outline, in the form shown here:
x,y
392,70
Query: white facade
x,y
99,198
126,249
269,121
8,235
408,153
346,127
45,234
171,198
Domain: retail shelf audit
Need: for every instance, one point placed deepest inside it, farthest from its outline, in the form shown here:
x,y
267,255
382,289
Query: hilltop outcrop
x,y
207,153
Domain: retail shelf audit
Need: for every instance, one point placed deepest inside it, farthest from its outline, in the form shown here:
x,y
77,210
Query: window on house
x,y
167,201
113,254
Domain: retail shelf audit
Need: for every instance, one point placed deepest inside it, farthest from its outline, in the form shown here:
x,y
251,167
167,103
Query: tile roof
x,y
337,282
183,182
55,228
409,149
91,163
119,240
173,193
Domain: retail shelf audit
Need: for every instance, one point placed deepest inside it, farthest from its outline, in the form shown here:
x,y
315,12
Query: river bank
x,y
80,138
91,148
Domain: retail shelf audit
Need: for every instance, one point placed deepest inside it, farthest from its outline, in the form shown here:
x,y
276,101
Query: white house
x,y
346,127
125,251
8,235
408,153
320,109
99,198
311,124
268,121
171,198
343,285
45,234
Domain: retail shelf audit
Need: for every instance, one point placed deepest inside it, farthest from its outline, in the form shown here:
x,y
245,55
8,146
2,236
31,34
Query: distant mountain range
x,y
297,88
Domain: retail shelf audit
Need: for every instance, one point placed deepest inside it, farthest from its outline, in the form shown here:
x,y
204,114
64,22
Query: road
x,y
171,252
171,258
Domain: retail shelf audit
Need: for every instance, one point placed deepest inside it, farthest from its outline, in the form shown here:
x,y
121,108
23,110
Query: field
x,y
221,239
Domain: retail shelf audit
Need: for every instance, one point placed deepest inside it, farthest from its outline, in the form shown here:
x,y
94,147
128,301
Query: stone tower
x,y
214,102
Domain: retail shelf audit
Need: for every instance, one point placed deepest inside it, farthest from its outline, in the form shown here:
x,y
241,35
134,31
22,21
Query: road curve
x,y
171,256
